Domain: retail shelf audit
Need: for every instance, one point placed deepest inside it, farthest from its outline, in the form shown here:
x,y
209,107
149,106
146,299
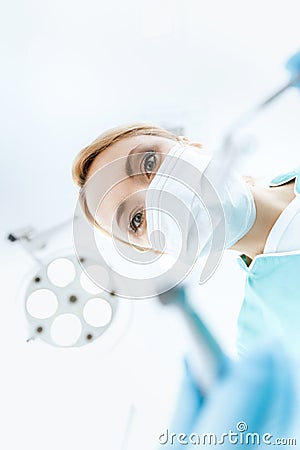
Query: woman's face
x,y
117,182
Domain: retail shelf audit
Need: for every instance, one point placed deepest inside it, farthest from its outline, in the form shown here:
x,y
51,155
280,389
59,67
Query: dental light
x,y
61,304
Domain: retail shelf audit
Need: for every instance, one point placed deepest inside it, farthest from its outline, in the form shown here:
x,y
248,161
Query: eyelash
x,y
145,160
134,227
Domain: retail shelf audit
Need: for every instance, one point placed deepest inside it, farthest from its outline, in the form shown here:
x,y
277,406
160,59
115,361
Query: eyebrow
x,y
120,211
128,167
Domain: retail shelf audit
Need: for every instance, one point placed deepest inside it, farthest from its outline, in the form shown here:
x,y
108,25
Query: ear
x,y
187,141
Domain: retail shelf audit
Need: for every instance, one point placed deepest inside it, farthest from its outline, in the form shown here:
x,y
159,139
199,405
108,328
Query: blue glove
x,y
293,66
256,395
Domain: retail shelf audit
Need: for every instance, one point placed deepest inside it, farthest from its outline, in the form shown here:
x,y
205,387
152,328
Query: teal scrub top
x,y
271,307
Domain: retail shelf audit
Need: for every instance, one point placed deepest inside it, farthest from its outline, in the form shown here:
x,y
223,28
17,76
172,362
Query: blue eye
x,y
136,221
149,163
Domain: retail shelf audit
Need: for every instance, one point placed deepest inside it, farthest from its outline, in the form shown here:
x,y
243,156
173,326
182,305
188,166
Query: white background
x,y
69,70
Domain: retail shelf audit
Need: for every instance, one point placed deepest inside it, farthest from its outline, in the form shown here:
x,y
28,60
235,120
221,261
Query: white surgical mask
x,y
187,206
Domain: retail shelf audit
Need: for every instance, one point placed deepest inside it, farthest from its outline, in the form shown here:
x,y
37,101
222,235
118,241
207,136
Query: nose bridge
x,y
123,190
133,187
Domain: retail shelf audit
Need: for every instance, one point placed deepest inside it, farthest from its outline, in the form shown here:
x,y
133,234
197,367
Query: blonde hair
x,y
87,155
